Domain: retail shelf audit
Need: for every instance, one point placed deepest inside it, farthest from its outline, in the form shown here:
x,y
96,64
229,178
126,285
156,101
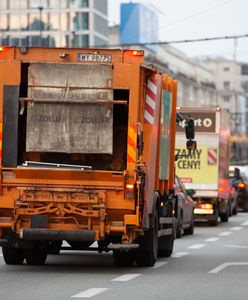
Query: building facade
x,y
196,84
231,95
53,23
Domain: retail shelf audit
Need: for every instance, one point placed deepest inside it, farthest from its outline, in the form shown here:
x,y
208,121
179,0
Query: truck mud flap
x,y
57,235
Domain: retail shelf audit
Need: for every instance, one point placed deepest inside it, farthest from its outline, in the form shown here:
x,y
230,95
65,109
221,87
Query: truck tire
x,y
146,254
35,256
13,256
123,259
54,247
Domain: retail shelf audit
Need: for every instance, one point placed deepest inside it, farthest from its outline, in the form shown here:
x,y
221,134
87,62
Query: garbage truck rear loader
x,y
87,154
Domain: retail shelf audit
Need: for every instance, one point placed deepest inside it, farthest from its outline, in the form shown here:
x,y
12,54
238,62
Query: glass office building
x,y
54,23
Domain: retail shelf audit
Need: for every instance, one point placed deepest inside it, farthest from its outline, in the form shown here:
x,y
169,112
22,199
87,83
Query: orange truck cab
x,y
87,154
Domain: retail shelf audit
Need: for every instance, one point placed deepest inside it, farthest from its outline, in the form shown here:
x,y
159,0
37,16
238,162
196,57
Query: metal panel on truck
x,y
70,109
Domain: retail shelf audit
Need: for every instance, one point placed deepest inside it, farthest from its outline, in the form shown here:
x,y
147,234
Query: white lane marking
x,y
236,228
197,246
90,293
159,264
213,239
245,223
236,246
225,233
224,265
179,254
126,277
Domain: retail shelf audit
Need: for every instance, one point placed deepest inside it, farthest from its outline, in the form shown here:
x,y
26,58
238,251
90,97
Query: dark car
x,y
240,184
185,214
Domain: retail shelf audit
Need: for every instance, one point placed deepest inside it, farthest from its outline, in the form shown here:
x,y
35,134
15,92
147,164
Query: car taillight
x,y
241,185
129,191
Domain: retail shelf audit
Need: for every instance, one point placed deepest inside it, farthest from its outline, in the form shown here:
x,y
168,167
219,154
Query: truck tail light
x,y
129,191
138,53
205,205
2,51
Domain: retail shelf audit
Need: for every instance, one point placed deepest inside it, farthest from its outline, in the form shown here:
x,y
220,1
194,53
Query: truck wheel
x,y
166,244
54,247
123,259
180,226
190,229
35,256
13,256
146,255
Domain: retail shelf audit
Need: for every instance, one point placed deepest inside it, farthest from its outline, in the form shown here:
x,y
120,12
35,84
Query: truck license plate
x,y
94,57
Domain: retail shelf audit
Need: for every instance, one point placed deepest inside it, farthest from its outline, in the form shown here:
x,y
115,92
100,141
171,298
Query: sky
x,y
192,19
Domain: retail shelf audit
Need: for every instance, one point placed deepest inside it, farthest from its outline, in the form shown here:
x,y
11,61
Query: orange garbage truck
x,y
87,154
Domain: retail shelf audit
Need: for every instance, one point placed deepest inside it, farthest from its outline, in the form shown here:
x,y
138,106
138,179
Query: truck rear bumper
x,y
57,235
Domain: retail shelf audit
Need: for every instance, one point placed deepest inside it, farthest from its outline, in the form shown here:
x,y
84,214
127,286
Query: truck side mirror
x,y
190,129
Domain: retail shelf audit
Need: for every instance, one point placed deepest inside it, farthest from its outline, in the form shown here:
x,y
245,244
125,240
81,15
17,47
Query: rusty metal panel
x,y
63,115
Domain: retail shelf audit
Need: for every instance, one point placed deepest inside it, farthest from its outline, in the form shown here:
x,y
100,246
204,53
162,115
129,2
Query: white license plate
x,y
94,57
201,211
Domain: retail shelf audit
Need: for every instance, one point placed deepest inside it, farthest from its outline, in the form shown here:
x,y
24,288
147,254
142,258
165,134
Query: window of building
x,y
54,21
80,41
14,21
226,85
81,21
226,98
244,85
79,3
226,69
3,24
244,69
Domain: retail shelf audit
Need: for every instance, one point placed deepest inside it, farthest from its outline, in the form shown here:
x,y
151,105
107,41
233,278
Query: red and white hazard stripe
x,y
212,156
151,96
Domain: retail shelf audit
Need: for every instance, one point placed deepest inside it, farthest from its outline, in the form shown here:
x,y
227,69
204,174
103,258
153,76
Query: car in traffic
x,y
239,183
185,213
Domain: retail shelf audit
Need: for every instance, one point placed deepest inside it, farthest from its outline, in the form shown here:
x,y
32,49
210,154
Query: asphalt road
x,y
211,264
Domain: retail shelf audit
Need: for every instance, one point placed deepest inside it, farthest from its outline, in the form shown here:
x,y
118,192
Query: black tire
x,y
54,247
234,212
123,259
35,256
166,244
179,232
225,217
230,211
190,229
13,256
146,254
